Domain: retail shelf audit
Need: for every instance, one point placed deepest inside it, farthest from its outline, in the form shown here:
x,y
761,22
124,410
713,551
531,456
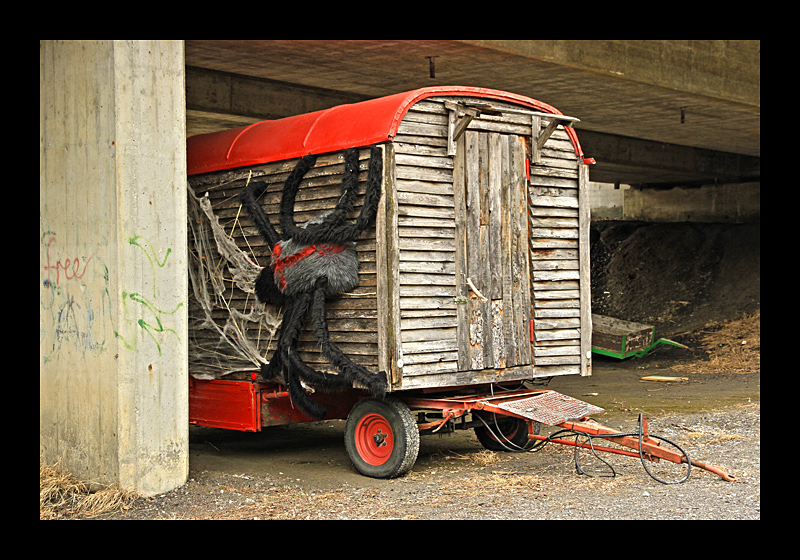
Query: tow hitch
x,y
573,417
647,447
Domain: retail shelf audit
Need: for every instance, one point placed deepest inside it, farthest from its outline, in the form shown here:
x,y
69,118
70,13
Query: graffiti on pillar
x,y
144,314
76,304
75,300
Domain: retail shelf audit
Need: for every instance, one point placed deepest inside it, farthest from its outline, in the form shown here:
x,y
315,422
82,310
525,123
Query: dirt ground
x,y
700,284
303,472
677,276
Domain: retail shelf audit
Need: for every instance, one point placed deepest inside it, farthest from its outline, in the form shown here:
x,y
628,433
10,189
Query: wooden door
x,y
492,264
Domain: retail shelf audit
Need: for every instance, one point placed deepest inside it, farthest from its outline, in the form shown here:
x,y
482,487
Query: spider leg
x,y
350,371
275,367
328,233
320,232
265,288
295,369
349,189
288,227
286,355
249,197
299,395
372,196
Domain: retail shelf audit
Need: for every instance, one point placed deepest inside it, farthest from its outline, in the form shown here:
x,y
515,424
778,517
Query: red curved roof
x,y
345,126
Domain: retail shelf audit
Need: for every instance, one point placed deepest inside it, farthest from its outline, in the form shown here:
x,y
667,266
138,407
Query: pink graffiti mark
x,y
70,267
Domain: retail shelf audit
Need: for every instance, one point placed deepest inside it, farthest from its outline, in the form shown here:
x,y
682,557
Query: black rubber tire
x,y
381,437
515,430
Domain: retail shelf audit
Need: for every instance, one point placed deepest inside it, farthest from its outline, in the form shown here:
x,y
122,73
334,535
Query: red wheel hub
x,y
374,439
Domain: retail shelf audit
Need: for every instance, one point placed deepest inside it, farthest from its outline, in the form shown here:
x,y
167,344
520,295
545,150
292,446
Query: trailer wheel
x,y
381,438
506,434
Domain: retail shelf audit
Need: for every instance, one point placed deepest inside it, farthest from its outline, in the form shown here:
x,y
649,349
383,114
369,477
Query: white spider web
x,y
224,338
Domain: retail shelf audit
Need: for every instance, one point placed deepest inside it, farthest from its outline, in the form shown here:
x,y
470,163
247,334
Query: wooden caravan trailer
x,y
476,271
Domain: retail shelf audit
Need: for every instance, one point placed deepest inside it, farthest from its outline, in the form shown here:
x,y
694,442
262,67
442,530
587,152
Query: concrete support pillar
x,y
113,404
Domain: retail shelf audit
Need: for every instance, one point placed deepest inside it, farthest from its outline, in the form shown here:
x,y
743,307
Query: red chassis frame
x,y
250,405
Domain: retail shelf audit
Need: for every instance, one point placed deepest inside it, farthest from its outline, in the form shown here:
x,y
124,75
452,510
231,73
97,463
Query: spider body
x,y
311,263
296,267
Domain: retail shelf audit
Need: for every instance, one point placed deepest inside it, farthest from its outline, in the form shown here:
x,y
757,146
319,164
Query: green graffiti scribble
x,y
151,255
150,329
146,303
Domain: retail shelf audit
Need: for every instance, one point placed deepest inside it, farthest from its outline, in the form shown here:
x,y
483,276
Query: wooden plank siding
x,y
426,252
430,227
555,258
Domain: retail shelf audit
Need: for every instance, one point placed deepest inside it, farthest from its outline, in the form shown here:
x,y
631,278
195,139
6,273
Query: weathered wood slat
x,y
560,285
437,267
418,149
548,181
539,245
543,313
421,244
554,222
427,291
408,172
555,275
549,212
427,303
556,334
428,334
431,369
420,199
551,371
553,264
564,350
430,141
556,323
432,358
424,378
421,129
422,160
554,233
554,202
421,256
410,186
429,346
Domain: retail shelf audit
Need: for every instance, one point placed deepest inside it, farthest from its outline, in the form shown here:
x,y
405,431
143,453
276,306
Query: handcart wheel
x,y
504,434
381,438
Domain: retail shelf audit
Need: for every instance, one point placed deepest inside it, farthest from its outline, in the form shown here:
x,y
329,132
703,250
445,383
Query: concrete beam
x,y
726,70
657,164
113,371
218,100
213,91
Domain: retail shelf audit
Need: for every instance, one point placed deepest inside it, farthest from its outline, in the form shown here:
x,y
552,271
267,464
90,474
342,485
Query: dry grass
x,y
512,479
732,346
62,495
486,458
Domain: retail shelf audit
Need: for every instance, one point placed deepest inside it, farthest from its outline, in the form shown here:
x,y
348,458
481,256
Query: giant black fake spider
x,y
310,263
